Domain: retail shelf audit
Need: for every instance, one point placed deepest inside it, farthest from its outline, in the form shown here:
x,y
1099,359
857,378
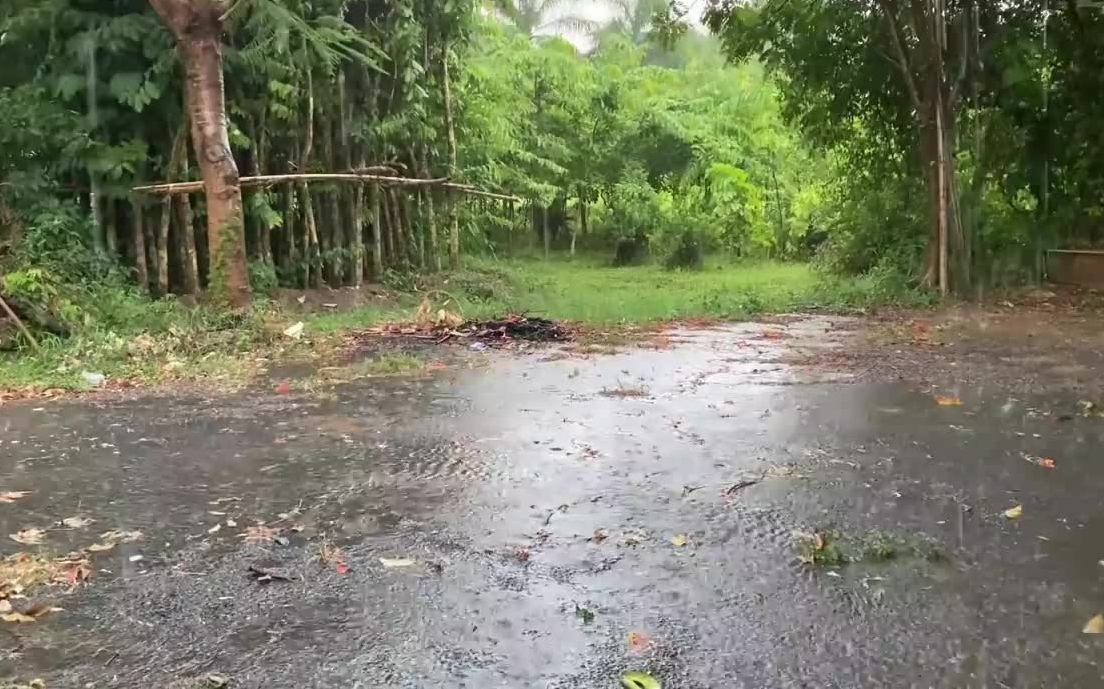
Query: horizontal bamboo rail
x,y
355,177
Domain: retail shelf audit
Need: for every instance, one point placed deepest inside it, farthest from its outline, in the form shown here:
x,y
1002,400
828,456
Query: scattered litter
x,y
215,529
295,332
215,681
478,346
950,401
342,567
283,387
92,378
13,495
100,547
1014,512
678,540
28,536
599,536
639,680
523,553
392,563
136,558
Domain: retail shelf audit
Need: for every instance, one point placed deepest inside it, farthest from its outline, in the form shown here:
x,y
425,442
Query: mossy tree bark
x,y
197,26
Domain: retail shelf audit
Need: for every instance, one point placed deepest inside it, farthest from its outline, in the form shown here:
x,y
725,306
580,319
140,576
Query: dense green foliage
x,y
1017,85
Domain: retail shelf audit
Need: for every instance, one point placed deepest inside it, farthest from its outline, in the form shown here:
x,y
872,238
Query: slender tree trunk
x,y
377,232
310,231
290,255
163,246
197,26
186,248
545,231
450,126
138,245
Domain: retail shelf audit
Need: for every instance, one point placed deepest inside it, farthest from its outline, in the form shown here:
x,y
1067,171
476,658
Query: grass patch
x,y
393,364
625,391
835,549
124,336
589,290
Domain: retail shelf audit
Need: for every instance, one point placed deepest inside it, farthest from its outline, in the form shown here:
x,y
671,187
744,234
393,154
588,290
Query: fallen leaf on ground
x,y
13,495
215,529
342,567
739,486
1014,512
100,547
523,553
31,614
639,680
28,536
258,534
773,334
283,388
599,535
679,540
265,575
1094,626
953,401
391,563
1047,462
122,536
76,522
638,641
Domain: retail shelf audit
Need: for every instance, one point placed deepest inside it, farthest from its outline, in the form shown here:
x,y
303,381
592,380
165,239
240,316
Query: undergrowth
x,y
123,335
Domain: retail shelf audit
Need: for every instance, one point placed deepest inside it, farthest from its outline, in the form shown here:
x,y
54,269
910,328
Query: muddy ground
x,y
550,519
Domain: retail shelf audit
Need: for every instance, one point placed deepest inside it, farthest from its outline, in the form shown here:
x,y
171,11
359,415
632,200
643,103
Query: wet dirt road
x,y
569,519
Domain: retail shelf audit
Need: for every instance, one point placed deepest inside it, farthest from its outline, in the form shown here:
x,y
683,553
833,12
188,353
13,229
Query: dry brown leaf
x,y
1094,626
29,536
599,535
13,495
1014,512
100,547
122,536
76,522
950,401
258,534
17,617
638,641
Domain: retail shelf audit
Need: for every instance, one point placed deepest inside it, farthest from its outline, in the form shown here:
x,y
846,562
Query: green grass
x,y
125,336
587,289
393,364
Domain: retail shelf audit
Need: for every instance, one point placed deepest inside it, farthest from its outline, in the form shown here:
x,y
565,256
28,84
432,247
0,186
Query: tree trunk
x,y
186,249
290,255
450,126
377,232
138,245
163,246
197,26
545,232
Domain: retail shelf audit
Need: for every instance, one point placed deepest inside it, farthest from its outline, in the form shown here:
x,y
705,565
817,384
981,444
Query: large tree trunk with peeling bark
x,y
197,26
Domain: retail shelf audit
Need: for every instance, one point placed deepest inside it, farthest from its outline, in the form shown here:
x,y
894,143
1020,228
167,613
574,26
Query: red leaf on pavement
x,y
284,387
342,567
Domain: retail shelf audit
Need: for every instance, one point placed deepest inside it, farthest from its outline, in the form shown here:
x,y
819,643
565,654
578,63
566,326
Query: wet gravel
x,y
527,487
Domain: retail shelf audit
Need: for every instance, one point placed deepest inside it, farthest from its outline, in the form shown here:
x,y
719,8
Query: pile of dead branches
x,y
499,332
517,327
